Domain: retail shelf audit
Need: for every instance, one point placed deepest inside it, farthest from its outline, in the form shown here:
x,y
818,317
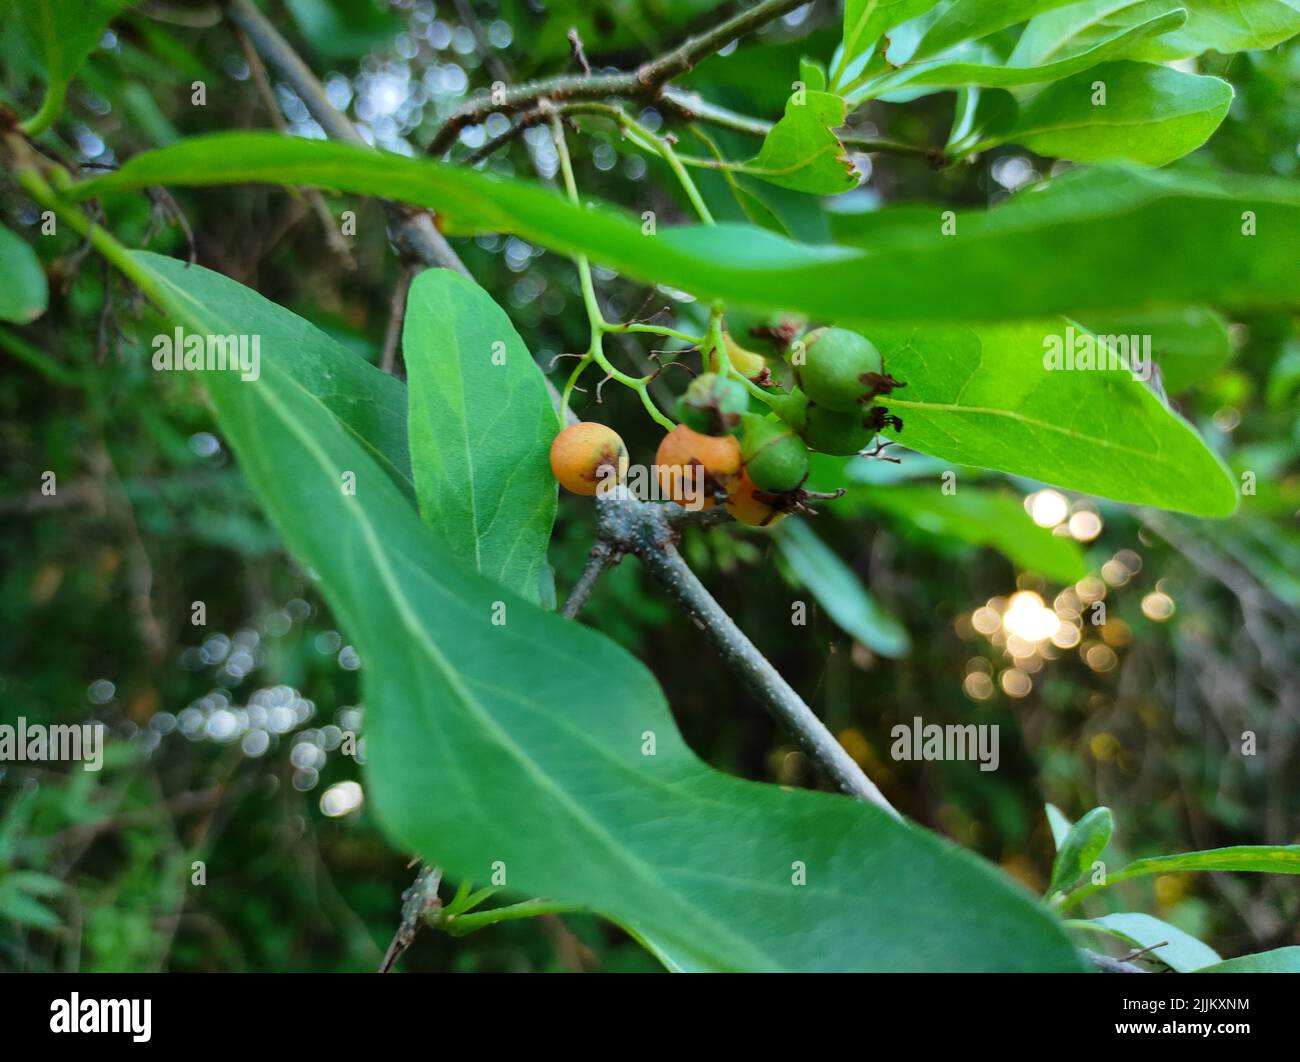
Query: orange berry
x,y
749,505
690,464
585,455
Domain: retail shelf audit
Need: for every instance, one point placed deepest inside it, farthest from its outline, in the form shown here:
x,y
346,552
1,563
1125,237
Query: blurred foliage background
x,y
225,738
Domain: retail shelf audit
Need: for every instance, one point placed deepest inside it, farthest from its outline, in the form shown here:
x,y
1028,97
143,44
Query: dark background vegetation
x,y
151,515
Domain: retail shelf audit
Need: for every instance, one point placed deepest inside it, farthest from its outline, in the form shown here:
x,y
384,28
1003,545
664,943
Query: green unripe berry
x,y
713,405
836,368
825,430
775,458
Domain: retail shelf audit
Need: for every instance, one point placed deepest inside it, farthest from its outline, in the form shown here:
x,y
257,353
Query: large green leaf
x,y
1279,960
969,20
368,404
1177,949
864,22
984,396
1080,239
1190,344
801,152
23,291
1100,240
1222,25
976,516
515,742
1152,115
1260,859
65,31
481,426
954,74
838,589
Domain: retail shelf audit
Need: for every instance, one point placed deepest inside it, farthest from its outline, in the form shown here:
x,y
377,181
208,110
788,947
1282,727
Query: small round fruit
x,y
834,367
692,467
776,459
824,430
586,456
713,405
749,505
746,362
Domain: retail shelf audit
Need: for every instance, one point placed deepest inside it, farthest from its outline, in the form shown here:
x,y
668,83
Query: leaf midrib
x,y
410,621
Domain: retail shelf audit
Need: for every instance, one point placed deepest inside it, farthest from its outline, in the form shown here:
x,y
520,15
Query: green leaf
x,y
368,404
1279,960
34,883
1082,845
801,152
26,911
839,591
950,74
1059,824
1046,251
1222,25
481,425
520,745
65,31
23,291
1181,951
986,397
1152,115
1190,344
812,74
864,22
969,20
981,518
1261,859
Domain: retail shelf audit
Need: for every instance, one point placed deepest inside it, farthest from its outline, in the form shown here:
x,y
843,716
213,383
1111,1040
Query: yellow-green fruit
x,y
746,362
835,368
587,456
776,459
713,405
825,430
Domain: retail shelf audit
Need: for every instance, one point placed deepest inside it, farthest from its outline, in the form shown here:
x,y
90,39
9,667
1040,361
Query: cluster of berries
x,y
754,463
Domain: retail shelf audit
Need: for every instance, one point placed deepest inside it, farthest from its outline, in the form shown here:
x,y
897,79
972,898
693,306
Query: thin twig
x,y
577,51
417,901
396,314
646,83
257,69
413,230
602,556
646,530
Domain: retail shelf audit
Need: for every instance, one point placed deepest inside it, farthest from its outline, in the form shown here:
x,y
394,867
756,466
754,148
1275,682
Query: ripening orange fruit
x,y
587,454
693,467
749,505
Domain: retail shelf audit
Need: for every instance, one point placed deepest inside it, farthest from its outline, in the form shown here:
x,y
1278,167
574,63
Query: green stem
x,y
51,107
460,925
599,326
715,342
658,330
116,253
37,359
652,142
